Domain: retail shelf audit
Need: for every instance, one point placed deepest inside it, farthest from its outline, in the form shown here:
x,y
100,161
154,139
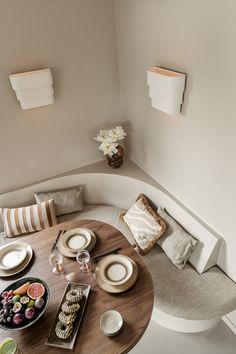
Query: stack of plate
x,y
116,273
14,257
111,323
75,240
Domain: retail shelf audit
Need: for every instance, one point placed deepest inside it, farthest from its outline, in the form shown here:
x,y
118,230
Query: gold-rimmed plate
x,y
116,289
11,256
116,269
70,254
23,265
76,239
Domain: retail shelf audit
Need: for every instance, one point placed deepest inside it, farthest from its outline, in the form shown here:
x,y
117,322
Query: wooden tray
x,y
68,343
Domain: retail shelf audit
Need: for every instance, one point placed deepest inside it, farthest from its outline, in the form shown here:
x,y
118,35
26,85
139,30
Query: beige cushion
x,y
145,224
176,243
66,201
28,219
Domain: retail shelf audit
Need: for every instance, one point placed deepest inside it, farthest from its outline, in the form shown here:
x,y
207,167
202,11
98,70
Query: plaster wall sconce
x,y
33,88
166,89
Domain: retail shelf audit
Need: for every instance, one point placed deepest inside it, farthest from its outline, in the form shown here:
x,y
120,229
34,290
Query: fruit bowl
x,y
22,303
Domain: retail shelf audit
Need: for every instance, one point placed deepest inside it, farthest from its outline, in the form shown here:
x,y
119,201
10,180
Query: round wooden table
x,y
135,305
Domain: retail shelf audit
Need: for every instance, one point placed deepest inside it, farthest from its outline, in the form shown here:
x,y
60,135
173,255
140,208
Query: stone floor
x,y
159,340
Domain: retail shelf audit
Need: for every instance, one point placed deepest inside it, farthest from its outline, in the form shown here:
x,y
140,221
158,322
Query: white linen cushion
x,y
66,201
176,242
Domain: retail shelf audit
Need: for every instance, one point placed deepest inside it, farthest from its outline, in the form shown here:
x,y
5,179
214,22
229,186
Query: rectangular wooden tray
x,y
68,343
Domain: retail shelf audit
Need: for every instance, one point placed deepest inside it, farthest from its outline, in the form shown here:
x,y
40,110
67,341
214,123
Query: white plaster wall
x,y
192,155
76,39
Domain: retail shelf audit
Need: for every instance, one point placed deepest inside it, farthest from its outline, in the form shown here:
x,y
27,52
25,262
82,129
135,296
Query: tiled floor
x,y
159,340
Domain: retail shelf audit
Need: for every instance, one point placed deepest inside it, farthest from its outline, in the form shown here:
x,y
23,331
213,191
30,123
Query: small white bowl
x,y
111,322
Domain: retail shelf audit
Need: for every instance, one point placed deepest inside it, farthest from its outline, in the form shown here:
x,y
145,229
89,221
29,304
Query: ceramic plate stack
x,y
75,240
14,257
116,273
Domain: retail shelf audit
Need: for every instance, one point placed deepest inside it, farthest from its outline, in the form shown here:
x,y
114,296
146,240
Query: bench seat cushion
x,y
181,293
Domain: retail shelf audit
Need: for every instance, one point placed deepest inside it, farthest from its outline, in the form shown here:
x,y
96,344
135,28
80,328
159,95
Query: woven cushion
x,y
28,219
66,201
145,224
176,243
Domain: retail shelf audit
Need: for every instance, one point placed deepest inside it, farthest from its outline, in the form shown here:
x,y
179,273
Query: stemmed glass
x,y
83,257
56,260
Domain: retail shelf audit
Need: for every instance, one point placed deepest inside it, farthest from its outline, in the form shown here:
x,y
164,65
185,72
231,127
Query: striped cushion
x,y
145,224
28,219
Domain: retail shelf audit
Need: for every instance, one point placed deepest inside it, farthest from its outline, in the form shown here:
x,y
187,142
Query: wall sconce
x,y
166,89
33,88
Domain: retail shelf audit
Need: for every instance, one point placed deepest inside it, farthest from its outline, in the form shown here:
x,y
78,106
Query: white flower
x,y
108,148
109,140
112,135
119,132
103,134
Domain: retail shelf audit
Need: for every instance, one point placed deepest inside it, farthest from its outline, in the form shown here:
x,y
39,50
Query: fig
x,y
24,300
30,313
17,307
18,319
39,303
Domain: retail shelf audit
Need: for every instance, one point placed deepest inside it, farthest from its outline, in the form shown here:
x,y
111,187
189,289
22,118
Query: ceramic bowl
x,y
111,322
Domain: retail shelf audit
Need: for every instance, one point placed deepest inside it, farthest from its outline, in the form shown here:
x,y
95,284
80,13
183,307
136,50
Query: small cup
x,y
111,322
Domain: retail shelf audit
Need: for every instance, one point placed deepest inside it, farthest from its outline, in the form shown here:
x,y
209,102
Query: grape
x,y
5,294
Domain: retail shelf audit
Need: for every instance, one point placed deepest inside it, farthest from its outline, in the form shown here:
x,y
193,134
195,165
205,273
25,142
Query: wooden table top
x,y
135,305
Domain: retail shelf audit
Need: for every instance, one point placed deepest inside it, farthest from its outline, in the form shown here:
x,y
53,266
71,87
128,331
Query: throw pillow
x,y
176,243
66,201
28,219
145,224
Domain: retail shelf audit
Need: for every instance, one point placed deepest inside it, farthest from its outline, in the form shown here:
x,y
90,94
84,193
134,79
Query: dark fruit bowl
x,y
27,323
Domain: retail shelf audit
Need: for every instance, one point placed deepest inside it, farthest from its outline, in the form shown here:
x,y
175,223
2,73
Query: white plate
x,y
11,256
23,265
76,239
115,269
111,322
70,254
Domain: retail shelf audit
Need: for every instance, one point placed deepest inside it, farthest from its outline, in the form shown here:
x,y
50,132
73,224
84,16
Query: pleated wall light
x,y
33,88
166,89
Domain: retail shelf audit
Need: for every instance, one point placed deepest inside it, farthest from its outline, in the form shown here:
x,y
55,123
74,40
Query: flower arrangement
x,y
109,140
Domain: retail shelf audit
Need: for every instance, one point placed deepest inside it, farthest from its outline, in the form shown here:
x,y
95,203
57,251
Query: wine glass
x,y
56,260
83,258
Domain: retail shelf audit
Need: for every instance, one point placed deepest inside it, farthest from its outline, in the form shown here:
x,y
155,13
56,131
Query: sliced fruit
x,y
17,307
16,298
8,346
22,290
35,290
31,303
24,300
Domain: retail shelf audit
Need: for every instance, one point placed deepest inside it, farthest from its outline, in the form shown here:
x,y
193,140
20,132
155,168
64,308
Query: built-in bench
x,y
185,300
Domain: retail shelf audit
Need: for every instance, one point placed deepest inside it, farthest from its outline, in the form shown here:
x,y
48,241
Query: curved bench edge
x,y
182,325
